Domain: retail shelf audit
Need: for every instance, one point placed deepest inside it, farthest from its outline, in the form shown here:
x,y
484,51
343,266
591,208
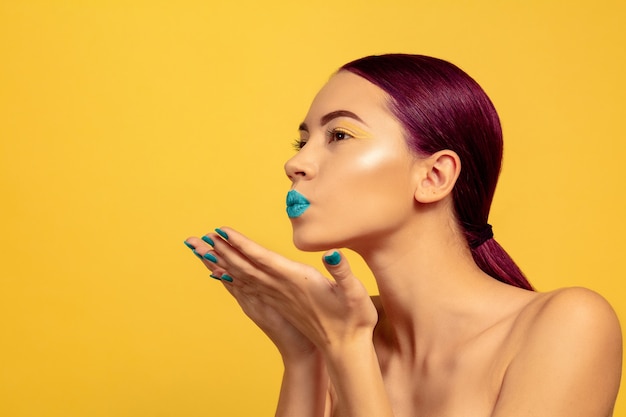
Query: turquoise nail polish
x,y
210,257
208,240
189,245
333,259
215,277
226,278
197,254
221,233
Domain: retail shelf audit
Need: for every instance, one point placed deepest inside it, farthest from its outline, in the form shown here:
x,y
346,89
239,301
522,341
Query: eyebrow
x,y
333,115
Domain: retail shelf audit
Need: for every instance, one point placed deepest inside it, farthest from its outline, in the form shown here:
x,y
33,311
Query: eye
x,y
299,144
335,135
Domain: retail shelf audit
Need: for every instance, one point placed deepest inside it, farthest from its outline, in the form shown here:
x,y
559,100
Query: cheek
x,y
378,171
359,195
372,188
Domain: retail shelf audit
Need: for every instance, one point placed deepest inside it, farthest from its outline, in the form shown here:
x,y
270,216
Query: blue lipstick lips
x,y
296,204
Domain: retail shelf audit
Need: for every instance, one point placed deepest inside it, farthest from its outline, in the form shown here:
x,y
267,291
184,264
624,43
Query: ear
x,y
437,176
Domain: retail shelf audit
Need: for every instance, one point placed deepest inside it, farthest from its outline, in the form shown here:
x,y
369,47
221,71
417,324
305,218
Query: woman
x,y
398,160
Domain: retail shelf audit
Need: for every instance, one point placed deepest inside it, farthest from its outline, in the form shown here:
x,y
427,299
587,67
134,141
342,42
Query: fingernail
x,y
333,259
197,254
189,245
226,278
208,240
210,257
221,233
215,277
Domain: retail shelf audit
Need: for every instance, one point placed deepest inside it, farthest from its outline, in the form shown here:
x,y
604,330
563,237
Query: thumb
x,y
338,267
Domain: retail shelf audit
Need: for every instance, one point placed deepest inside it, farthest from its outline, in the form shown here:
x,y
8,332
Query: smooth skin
x,y
442,338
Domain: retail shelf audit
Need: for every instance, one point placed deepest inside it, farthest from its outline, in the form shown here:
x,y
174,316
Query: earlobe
x,y
437,176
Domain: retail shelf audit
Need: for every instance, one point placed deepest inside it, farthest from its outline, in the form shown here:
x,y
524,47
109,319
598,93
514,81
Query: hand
x,y
291,343
273,290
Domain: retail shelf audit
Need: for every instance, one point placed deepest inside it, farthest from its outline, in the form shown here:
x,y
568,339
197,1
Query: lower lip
x,y
296,210
296,204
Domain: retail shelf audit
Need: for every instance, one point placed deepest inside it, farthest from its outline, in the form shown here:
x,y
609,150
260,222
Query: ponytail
x,y
492,258
494,261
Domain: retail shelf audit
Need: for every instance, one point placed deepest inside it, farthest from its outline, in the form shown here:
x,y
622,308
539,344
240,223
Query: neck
x,y
432,292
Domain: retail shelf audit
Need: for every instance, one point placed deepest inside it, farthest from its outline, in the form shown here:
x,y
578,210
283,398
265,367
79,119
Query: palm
x,y
286,337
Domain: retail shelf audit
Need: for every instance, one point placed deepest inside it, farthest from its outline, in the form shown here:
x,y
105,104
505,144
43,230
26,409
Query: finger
x,y
266,260
211,260
203,251
219,274
225,255
208,240
227,263
261,270
338,267
196,244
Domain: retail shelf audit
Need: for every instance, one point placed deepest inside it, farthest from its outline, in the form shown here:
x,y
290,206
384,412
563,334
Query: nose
x,y
301,166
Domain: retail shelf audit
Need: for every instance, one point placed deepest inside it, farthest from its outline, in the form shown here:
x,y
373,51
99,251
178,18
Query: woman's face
x,y
353,168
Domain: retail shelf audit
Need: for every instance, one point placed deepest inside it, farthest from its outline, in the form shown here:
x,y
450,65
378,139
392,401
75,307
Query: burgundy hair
x,y
441,107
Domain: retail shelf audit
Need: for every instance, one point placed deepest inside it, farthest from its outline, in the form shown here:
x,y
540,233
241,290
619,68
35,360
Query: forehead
x,y
348,91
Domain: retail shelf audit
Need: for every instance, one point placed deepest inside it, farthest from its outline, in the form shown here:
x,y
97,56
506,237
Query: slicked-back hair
x,y
441,107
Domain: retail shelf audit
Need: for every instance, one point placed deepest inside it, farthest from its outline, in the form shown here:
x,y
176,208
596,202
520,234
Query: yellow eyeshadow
x,y
354,130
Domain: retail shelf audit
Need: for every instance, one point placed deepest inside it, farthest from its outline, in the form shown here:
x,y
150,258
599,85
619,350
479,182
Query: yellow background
x,y
126,126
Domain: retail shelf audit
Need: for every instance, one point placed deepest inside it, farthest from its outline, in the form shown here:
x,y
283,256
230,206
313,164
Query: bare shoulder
x,y
579,312
568,357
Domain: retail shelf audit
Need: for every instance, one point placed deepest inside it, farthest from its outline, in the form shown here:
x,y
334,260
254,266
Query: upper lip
x,y
294,198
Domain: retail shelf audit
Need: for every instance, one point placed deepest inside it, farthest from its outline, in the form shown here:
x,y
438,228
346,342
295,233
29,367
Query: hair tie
x,y
481,235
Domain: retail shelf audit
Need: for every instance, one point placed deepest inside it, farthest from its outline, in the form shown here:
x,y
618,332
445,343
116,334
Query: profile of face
x,y
353,167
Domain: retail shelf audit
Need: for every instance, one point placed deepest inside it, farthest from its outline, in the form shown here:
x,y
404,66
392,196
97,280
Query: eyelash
x,y
298,144
331,134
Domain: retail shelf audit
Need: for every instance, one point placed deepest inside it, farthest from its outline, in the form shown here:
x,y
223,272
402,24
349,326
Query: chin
x,y
306,245
310,241
315,240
